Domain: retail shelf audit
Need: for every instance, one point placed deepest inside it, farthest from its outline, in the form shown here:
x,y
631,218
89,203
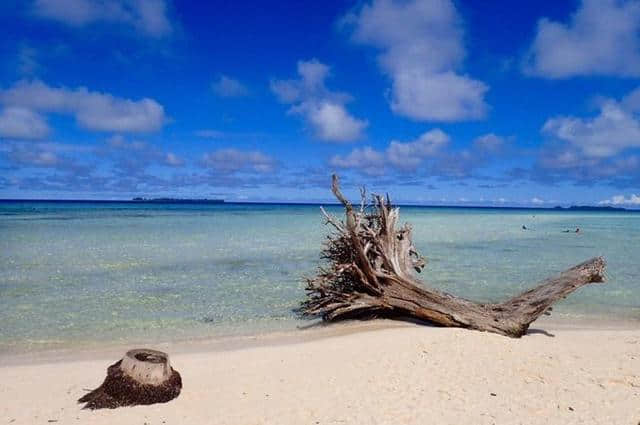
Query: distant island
x,y
590,208
178,201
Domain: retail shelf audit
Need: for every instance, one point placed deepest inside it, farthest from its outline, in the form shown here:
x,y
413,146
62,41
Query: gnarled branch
x,y
371,273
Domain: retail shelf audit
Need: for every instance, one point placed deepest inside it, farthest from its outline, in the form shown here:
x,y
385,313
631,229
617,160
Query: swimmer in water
x,y
572,231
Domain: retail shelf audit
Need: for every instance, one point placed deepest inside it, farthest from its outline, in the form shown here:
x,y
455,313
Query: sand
x,y
406,374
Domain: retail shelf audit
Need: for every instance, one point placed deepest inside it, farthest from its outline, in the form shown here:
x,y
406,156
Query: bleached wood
x,y
371,268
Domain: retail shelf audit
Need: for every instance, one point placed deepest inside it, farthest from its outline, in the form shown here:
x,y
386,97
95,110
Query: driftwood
x,y
370,273
142,376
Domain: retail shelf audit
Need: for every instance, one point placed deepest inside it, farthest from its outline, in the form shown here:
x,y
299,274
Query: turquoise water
x,y
92,273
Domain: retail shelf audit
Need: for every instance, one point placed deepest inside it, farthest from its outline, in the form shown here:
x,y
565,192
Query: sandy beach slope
x,y
404,375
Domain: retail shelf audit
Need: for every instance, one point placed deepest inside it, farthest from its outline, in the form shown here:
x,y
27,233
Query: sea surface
x,y
83,274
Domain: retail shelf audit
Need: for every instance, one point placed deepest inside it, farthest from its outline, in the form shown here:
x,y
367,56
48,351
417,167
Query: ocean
x,y
85,274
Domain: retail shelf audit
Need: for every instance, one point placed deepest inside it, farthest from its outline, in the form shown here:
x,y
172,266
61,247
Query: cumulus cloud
x,y
324,110
367,160
601,38
92,110
621,200
22,123
556,164
599,149
331,121
409,155
615,129
421,43
147,16
429,151
226,86
228,161
490,143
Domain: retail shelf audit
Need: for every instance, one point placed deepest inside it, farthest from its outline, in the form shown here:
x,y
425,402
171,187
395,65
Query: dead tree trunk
x,y
142,377
370,273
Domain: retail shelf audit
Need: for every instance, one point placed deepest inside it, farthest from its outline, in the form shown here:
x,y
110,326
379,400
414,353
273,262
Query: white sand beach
x,y
378,373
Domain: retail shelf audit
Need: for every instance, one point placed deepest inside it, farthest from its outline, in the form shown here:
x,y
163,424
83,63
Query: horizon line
x,y
186,201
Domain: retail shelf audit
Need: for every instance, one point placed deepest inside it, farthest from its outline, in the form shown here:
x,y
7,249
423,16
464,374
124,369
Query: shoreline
x,y
312,332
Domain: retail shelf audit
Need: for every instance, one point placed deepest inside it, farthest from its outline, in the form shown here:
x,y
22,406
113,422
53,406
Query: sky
x,y
436,102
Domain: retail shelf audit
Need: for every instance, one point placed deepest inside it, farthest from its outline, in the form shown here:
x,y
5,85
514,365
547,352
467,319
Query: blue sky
x,y
434,101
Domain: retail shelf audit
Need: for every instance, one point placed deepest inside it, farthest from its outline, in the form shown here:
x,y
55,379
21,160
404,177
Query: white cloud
x,y
601,38
438,97
365,159
409,155
230,160
22,123
422,50
489,143
406,156
615,129
537,201
429,152
621,200
226,86
600,149
324,110
332,121
92,110
147,16
310,84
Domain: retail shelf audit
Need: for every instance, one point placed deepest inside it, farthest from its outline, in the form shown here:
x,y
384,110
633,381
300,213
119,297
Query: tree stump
x,y
370,272
142,376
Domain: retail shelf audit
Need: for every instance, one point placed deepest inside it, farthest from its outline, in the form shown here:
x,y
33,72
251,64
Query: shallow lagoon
x,y
83,274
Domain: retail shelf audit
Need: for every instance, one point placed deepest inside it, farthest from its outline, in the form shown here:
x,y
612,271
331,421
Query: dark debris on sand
x,y
119,389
